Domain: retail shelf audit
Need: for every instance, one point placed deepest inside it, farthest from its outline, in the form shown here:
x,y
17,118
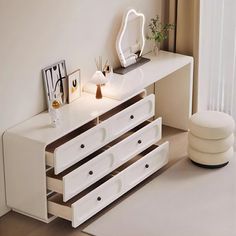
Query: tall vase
x,y
156,48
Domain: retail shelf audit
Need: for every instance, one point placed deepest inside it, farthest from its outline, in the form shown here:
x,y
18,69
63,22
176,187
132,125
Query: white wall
x,y
35,34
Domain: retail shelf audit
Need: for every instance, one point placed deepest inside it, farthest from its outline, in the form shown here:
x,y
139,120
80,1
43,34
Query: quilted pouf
x,y
211,139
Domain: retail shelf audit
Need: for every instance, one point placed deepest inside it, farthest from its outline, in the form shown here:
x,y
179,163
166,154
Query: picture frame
x,y
55,82
74,85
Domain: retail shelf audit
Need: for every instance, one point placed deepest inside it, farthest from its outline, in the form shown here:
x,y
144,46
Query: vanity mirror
x,y
130,41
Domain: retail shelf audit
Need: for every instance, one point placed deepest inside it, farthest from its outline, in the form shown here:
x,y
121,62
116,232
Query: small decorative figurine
x,y
54,111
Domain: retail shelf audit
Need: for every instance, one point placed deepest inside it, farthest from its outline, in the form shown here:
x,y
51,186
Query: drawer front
x,y
96,200
138,142
87,174
106,193
132,116
90,172
80,147
147,166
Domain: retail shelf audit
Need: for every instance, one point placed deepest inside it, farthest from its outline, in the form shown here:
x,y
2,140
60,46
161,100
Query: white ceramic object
x,y
131,39
54,116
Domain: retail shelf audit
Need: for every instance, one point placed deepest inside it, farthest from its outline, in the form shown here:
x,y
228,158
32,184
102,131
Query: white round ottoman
x,y
211,139
209,159
211,125
210,145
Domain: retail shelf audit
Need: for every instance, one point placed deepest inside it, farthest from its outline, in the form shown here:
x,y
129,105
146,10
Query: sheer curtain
x,y
217,56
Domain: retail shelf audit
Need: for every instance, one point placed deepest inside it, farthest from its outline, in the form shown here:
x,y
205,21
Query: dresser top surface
x,y
72,116
121,86
87,107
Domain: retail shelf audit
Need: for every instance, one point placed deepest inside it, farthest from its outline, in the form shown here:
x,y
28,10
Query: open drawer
x,y
75,146
80,176
96,197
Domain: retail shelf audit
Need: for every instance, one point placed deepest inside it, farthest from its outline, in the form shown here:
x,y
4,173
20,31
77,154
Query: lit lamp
x,y
99,79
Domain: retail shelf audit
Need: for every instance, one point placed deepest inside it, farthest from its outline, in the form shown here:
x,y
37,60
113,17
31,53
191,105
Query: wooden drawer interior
x,y
52,146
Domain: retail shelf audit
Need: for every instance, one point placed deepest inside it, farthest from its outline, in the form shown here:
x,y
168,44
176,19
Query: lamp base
x,y
99,92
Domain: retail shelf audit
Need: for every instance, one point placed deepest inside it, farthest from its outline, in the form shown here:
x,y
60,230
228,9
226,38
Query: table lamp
x,y
99,79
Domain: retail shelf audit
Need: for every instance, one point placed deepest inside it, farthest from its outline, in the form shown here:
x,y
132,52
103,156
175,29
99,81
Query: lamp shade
x,y
98,78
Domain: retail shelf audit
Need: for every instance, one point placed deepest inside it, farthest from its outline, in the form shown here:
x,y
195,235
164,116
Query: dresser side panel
x,y
25,175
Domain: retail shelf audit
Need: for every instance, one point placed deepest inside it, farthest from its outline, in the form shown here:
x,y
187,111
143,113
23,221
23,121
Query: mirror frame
x,y
120,36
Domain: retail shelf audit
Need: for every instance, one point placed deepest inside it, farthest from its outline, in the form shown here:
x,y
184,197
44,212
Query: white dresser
x,y
101,149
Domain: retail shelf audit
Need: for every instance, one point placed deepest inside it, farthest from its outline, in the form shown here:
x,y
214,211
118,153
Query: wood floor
x,y
14,224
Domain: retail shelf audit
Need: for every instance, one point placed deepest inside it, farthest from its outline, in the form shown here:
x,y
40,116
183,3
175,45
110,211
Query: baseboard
x,y
4,210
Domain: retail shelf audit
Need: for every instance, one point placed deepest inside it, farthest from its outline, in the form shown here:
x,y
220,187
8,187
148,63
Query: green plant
x,y
158,30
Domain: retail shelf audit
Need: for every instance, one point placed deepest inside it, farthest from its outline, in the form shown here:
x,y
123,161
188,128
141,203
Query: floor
x,y
14,224
184,200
